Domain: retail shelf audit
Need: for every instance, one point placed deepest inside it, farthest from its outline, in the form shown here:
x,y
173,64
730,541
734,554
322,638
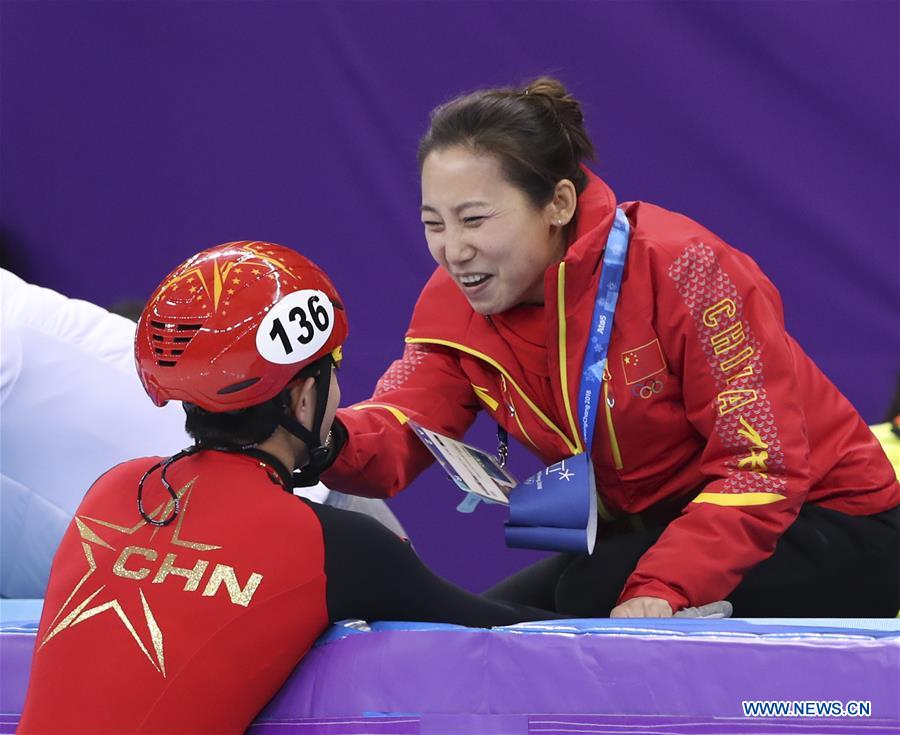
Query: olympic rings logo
x,y
647,390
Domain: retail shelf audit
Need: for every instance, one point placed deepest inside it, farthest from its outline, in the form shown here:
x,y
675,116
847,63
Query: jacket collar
x,y
594,218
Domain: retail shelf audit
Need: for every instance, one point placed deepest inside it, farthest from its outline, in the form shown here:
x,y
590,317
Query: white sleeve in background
x,y
75,407
318,493
30,530
71,407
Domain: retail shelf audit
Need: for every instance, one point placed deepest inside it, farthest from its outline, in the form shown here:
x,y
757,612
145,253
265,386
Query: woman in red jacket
x,y
727,464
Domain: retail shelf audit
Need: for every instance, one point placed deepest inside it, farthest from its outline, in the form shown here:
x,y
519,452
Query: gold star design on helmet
x,y
78,610
267,257
212,287
214,275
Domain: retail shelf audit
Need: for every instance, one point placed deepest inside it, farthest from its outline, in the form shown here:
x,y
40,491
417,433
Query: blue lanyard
x,y
601,325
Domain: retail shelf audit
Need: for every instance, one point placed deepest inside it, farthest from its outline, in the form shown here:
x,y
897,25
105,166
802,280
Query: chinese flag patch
x,y
642,362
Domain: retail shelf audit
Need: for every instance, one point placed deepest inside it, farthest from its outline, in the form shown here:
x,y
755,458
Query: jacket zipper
x,y
563,353
608,403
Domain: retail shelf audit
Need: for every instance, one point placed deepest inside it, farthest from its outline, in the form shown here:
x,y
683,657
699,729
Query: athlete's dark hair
x,y
537,132
246,426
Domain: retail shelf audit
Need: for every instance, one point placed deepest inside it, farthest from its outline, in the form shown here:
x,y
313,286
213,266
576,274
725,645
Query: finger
x,y
721,609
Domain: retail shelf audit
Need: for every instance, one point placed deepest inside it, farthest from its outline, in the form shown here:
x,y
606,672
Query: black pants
x,y
827,564
372,574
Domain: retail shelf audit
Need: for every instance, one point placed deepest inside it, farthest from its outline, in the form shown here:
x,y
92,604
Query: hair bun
x,y
552,95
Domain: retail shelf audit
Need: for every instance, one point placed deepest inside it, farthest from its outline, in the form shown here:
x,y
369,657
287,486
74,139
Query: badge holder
x,y
555,509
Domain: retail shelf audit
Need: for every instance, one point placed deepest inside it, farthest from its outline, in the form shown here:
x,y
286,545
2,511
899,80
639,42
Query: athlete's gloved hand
x,y
337,438
721,609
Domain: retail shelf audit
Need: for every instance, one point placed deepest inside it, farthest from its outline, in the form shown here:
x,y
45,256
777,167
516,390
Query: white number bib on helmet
x,y
296,327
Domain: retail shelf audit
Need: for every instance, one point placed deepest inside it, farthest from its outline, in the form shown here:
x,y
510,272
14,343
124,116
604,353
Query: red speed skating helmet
x,y
230,327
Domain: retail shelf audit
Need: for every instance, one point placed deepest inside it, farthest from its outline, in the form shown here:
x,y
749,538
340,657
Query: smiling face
x,y
487,234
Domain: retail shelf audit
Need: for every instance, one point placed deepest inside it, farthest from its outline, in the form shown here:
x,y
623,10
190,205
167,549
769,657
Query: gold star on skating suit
x,y
89,539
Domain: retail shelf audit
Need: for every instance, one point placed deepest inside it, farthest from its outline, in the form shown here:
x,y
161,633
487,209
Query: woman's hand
x,y
642,607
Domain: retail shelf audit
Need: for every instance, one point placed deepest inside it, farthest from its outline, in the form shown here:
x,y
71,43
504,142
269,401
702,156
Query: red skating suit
x,y
712,416
188,628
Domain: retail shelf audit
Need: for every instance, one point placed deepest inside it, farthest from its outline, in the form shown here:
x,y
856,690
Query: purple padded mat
x,y
676,677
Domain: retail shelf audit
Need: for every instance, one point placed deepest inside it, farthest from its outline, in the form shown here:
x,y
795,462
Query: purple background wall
x,y
133,134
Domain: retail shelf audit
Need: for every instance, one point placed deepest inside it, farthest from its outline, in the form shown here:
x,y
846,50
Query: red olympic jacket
x,y
713,416
164,627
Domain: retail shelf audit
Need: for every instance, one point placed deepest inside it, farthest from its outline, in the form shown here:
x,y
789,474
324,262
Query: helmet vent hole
x,y
235,387
170,340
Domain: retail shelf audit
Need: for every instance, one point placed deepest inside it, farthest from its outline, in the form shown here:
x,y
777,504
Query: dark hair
x,y
536,132
244,426
233,428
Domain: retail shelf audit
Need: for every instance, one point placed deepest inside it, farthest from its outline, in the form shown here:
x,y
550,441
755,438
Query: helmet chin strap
x,y
317,449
